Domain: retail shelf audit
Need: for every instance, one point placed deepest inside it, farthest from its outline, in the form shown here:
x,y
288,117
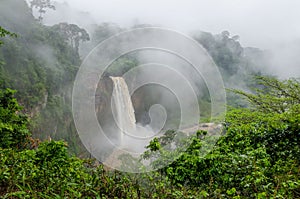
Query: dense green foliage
x,y
275,96
4,33
41,65
72,34
258,157
13,127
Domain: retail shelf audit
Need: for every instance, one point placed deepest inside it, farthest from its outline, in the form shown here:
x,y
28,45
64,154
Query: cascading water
x,y
123,109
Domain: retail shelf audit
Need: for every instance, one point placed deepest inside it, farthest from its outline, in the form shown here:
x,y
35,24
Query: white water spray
x,y
124,111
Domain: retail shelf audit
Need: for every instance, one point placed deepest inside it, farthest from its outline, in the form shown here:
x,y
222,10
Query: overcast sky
x,y
260,23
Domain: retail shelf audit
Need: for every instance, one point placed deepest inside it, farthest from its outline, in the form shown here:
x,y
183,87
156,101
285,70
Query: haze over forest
x,y
150,113
268,25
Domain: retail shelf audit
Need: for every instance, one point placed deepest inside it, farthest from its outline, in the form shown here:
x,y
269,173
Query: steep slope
x,y
41,66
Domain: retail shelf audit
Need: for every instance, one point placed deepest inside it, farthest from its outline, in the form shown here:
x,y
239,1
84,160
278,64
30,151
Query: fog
x,y
269,25
259,23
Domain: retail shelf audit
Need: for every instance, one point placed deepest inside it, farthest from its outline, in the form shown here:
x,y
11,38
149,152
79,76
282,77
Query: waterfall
x,y
123,108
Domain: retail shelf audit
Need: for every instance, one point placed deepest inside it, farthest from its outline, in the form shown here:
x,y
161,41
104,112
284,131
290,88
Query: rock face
x,y
103,106
103,98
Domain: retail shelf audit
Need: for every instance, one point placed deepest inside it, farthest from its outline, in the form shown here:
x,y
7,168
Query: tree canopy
x,y
72,33
257,156
13,124
41,6
4,32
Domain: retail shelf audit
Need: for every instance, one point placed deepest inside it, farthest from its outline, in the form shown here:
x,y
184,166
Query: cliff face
x,y
103,98
41,66
103,108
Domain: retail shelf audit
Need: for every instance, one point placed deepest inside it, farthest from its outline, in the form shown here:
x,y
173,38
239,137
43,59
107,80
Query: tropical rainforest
x,y
41,155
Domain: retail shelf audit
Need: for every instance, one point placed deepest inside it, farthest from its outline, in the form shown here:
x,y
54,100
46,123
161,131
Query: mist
x,y
268,25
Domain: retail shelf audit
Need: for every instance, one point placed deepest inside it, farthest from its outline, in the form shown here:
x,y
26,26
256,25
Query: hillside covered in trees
x,y
41,155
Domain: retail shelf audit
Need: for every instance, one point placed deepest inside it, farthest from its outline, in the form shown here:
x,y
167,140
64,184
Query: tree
x,y
13,125
72,33
225,34
4,32
104,31
227,53
258,157
41,5
273,95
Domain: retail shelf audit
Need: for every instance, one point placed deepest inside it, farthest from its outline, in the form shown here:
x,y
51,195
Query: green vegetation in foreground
x,y
258,157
